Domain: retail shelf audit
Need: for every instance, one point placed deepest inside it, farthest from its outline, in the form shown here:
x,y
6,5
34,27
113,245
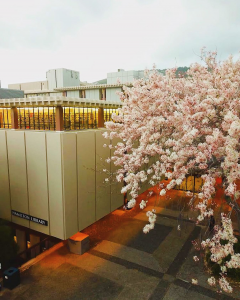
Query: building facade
x,y
64,82
52,155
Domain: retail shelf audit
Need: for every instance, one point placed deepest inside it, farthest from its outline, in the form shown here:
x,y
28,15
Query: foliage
x,y
179,71
175,126
220,266
188,125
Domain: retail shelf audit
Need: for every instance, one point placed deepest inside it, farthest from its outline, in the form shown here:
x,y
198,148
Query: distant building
x,y
64,82
85,105
10,93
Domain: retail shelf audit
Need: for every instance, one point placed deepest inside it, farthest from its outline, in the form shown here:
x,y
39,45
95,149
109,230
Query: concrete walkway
x,y
123,263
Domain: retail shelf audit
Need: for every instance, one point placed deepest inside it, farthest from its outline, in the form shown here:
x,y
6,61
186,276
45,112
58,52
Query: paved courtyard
x,y
123,263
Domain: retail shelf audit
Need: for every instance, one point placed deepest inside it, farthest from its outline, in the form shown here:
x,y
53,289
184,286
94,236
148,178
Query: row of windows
x,y
39,118
5,118
80,118
108,114
44,118
81,94
191,183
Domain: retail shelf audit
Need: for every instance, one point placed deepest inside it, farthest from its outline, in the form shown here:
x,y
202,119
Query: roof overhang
x,y
58,101
89,87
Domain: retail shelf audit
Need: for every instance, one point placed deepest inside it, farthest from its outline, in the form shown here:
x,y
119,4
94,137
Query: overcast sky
x,y
99,36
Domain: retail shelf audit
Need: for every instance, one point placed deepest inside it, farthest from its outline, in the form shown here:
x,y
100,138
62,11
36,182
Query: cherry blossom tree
x,y
175,126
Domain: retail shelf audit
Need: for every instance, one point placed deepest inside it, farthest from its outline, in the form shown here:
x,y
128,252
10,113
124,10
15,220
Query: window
x,y
108,114
5,118
77,118
37,118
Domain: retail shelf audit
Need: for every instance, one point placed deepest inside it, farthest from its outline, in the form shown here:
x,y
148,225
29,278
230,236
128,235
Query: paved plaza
x,y
124,263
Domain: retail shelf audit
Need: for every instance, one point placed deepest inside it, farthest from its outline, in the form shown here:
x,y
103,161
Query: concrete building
x,y
52,156
64,82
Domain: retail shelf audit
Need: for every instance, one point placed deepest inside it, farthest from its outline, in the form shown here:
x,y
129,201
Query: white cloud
x,y
96,37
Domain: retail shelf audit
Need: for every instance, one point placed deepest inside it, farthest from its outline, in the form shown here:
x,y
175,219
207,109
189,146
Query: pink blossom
x,y
212,281
194,281
163,192
173,127
195,258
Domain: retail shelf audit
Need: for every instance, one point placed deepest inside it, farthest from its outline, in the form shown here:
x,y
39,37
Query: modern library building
x,y
52,160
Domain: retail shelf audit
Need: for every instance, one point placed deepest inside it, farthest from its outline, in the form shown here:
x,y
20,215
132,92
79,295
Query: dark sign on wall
x,y
29,218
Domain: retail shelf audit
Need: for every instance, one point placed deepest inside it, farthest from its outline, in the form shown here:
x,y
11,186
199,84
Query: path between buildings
x,y
122,263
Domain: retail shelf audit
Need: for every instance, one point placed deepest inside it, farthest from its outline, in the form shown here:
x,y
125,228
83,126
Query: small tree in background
x,y
175,126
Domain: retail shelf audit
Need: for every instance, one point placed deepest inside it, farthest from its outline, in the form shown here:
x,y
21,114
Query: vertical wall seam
x,y
49,221
95,162
77,178
9,185
63,190
111,177
26,163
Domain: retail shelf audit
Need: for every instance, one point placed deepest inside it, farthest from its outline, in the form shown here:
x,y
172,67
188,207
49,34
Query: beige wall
x,y
103,199
26,86
86,153
116,196
57,177
69,171
5,206
54,162
37,178
18,174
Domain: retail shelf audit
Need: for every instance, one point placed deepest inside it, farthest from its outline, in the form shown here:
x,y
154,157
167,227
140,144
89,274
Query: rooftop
x,y
58,100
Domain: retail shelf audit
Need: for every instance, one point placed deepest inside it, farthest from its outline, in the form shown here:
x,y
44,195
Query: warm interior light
x,y
28,244
15,238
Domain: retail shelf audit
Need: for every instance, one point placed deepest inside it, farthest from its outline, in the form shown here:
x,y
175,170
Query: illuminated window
x,y
5,117
108,114
37,118
191,183
77,118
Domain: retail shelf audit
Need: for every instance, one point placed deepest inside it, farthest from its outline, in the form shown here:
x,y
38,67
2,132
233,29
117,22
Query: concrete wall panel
x,y
37,178
5,204
18,174
54,164
14,86
108,94
58,177
90,94
69,165
59,78
116,196
86,178
74,94
111,94
103,199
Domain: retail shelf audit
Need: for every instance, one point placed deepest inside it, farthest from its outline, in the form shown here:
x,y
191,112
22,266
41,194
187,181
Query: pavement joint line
x,y
174,218
183,253
161,290
171,217
201,290
127,264
128,253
